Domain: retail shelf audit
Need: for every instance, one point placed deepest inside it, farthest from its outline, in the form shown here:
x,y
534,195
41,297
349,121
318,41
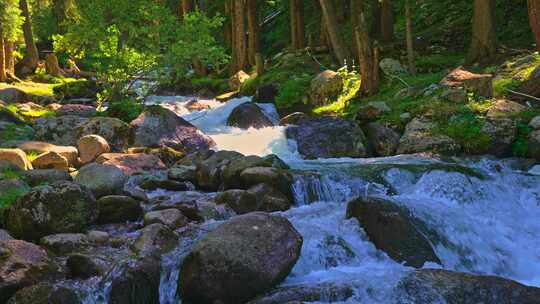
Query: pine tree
x,y
10,29
483,46
534,19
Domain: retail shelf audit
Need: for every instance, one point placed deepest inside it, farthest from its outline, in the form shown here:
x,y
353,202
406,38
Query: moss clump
x,y
126,109
292,93
76,89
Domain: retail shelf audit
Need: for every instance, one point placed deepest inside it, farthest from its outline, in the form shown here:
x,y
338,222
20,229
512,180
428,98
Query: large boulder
x,y
77,110
50,160
504,108
438,285
502,133
137,283
243,257
14,95
534,144
102,180
420,136
270,199
16,157
530,87
21,264
372,111
59,130
241,201
325,88
64,243
158,127
69,152
382,139
393,230
171,218
481,84
92,146
45,293
248,115
61,207
328,137
113,130
132,163
118,209
38,177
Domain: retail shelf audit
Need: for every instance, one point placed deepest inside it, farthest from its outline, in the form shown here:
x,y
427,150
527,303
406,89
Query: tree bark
x,y
387,21
338,45
228,35
369,61
30,61
185,7
253,29
3,76
239,48
484,36
409,35
534,20
296,8
9,48
52,67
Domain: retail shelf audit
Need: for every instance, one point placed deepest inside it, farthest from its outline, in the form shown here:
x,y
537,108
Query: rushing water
x,y
485,223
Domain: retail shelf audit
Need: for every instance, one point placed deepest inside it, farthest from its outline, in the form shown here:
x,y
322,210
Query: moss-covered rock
x,y
102,180
62,207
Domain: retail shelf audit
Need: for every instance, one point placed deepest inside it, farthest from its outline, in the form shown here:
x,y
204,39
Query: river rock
x,y
137,283
245,256
132,163
102,180
297,294
456,95
393,230
21,264
236,81
531,86
45,293
171,218
118,209
372,111
504,108
113,130
158,127
98,237
434,285
419,136
328,137
209,170
270,199
77,110
535,123
69,152
293,119
382,139
534,144
61,207
14,95
92,146
82,266
481,84
38,177
59,130
183,173
248,115
16,157
167,155
266,93
325,87
155,239
64,243
241,201
152,184
502,133
50,160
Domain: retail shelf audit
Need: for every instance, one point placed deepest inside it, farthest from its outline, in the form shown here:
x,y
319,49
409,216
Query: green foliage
x,y
351,86
9,173
217,85
10,196
292,92
520,147
10,19
76,89
125,109
438,62
501,85
466,129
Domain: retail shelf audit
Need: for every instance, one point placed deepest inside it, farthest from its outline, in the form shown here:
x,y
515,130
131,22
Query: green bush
x,y
125,109
76,89
466,129
292,92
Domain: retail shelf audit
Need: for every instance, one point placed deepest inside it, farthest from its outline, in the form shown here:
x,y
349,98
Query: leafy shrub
x,y
292,92
125,109
76,89
520,147
466,129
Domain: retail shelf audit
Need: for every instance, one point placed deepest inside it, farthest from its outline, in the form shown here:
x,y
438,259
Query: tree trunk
x,y
296,8
239,48
369,61
534,20
3,76
29,63
387,21
52,67
330,18
185,7
253,29
484,37
409,34
9,48
228,35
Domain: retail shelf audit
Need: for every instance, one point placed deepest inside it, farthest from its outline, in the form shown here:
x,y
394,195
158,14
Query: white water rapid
x,y
483,219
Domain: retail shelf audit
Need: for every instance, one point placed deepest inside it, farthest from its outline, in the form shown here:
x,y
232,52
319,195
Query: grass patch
x,y
293,92
10,196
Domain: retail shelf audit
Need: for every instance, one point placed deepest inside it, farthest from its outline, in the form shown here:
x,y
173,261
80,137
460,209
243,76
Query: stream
x,y
482,223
